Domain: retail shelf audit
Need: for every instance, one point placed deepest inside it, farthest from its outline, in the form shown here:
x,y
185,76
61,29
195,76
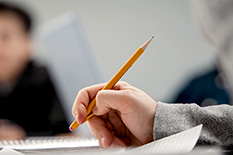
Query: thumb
x,y
120,100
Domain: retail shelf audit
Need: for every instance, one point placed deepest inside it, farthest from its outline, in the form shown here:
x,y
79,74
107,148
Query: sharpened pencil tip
x,y
144,46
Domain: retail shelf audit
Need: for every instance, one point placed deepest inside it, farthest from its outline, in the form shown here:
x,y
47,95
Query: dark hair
x,y
20,13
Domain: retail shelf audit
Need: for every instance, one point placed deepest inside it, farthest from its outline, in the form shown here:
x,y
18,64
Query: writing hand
x,y
124,115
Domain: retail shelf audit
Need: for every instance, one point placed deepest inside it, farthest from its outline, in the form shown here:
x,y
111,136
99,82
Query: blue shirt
x,y
204,90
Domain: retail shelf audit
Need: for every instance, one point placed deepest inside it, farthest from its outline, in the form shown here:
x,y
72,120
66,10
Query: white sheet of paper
x,y
9,151
182,142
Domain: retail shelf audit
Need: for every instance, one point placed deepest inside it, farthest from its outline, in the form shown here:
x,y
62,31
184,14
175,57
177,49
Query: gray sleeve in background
x,y
217,122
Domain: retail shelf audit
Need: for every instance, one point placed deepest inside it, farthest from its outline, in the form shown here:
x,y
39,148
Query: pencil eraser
x,y
71,129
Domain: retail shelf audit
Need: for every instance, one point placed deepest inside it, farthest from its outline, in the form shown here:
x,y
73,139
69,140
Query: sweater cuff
x,y
171,119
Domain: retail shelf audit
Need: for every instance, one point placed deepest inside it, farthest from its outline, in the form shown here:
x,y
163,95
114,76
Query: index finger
x,y
85,95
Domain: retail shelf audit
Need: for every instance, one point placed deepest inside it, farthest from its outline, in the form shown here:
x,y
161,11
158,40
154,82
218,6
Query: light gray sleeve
x,y
217,122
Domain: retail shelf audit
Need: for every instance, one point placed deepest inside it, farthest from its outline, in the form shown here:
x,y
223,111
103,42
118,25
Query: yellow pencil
x,y
114,80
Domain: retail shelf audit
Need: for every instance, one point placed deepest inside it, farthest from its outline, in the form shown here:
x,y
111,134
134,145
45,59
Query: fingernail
x,y
102,140
100,144
94,110
119,145
76,117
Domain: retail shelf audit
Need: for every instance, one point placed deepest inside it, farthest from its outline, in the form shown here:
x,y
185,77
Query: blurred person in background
x,y
215,87
29,105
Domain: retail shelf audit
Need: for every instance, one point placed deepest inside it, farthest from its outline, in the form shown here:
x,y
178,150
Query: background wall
x,y
116,28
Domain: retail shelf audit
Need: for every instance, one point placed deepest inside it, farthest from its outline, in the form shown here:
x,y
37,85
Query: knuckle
x,y
99,97
123,83
74,111
81,92
128,95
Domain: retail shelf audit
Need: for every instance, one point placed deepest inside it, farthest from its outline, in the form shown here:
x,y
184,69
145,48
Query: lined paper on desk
x,y
180,143
50,143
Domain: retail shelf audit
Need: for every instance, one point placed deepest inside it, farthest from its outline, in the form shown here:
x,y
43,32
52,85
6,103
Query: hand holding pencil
x,y
116,108
114,80
124,116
